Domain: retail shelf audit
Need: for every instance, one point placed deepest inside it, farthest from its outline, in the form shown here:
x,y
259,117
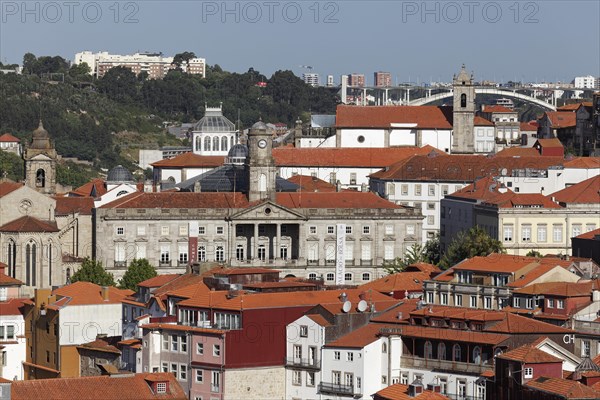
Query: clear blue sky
x,y
414,40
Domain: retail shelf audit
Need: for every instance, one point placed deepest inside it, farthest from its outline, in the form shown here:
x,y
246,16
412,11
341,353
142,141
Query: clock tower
x,y
261,165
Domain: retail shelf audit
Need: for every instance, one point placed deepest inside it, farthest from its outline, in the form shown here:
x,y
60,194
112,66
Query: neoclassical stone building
x,y
242,214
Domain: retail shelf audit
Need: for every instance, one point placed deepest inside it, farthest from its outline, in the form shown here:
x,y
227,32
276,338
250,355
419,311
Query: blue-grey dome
x,y
237,154
259,126
119,174
214,121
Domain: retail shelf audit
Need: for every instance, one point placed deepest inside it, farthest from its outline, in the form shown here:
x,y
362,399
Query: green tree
x,y
414,254
12,165
183,58
432,251
138,271
93,271
120,84
475,242
534,253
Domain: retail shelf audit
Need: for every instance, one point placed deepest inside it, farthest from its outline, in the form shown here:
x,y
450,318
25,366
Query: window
x,y
330,276
358,382
576,230
473,301
389,229
183,340
430,220
431,206
349,379
219,230
366,276
404,190
404,378
312,276
365,251
336,355
528,372
164,230
508,233
120,230
560,304
429,297
303,331
550,303
444,189
353,178
585,348
200,348
456,354
526,233
366,229
174,369
384,379
183,231
216,379
310,379
529,303
174,343
330,229
348,277
384,347
441,351
444,299
541,233
216,350
312,230
201,253
161,387
220,254
297,377
336,377
348,230
431,190
183,253
557,233
477,355
239,252
410,229
199,376
428,350
349,356
165,341
201,230
458,300
590,227
165,253
183,372
417,190
488,303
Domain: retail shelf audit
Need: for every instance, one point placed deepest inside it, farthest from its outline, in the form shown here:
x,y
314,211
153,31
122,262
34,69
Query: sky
x,y
416,41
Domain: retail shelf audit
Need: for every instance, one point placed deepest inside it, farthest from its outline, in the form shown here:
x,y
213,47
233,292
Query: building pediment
x,y
41,157
267,210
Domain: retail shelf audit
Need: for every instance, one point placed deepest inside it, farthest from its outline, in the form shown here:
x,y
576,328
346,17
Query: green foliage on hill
x,y
93,271
12,165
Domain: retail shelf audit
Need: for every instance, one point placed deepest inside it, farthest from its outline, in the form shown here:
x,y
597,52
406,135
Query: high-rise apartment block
x,y
311,79
356,80
155,64
382,79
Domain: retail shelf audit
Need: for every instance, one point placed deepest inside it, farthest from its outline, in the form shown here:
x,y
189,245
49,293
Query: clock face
x,y
262,143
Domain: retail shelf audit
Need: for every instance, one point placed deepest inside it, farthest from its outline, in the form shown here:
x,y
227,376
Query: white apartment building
x,y
585,82
13,349
311,79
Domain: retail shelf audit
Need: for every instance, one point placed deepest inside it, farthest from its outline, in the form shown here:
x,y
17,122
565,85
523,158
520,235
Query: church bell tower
x,y
463,113
40,162
261,165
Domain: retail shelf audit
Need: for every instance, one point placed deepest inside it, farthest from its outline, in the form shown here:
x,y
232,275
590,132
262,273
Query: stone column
x,y
277,246
255,253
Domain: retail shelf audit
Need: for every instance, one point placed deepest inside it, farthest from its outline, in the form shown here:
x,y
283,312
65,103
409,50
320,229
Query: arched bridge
x,y
482,90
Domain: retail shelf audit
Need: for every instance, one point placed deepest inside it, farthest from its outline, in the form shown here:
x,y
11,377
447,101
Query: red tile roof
x,y
400,392
398,314
496,262
534,274
6,280
312,184
486,188
560,119
562,289
522,200
409,281
102,344
319,319
190,160
29,224
85,293
496,109
480,121
347,199
182,328
12,306
518,152
159,280
583,162
574,106
7,137
116,387
94,188
566,388
383,116
586,192
589,235
179,200
550,143
8,186
530,355
426,332
423,267
345,157
359,338
531,126
73,205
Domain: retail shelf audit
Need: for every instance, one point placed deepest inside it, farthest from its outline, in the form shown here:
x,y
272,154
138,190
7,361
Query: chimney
x,y
338,186
104,293
400,315
197,187
364,187
343,297
415,388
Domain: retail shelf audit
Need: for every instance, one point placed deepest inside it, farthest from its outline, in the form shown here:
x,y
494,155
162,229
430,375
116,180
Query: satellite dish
x,y
504,172
347,306
362,306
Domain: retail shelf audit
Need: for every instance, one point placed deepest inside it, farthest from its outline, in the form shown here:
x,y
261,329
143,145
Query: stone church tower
x,y
40,162
463,113
261,165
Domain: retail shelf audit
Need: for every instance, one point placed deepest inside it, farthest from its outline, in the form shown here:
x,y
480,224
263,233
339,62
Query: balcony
x,y
304,363
164,264
443,365
335,389
366,262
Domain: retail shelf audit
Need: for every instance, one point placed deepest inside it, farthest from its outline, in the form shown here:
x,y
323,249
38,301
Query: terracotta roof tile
x,y
345,157
583,162
347,199
107,345
486,188
531,126
7,137
6,280
385,116
521,200
94,188
398,314
9,186
12,306
190,160
312,184
496,262
586,192
360,337
426,332
496,109
559,119
530,355
179,200
400,392
409,281
182,328
29,224
159,280
589,235
562,289
533,275
480,121
518,152
319,319
243,271
574,106
85,293
117,387
423,267
566,388
71,205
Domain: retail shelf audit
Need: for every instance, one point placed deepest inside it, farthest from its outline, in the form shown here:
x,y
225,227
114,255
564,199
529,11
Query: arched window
x,y
207,143
49,262
201,253
441,351
366,276
11,257
68,277
224,143
347,276
231,141
384,347
220,253
40,178
262,183
428,353
122,192
463,100
456,352
239,252
330,276
497,352
216,143
30,264
312,276
477,355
